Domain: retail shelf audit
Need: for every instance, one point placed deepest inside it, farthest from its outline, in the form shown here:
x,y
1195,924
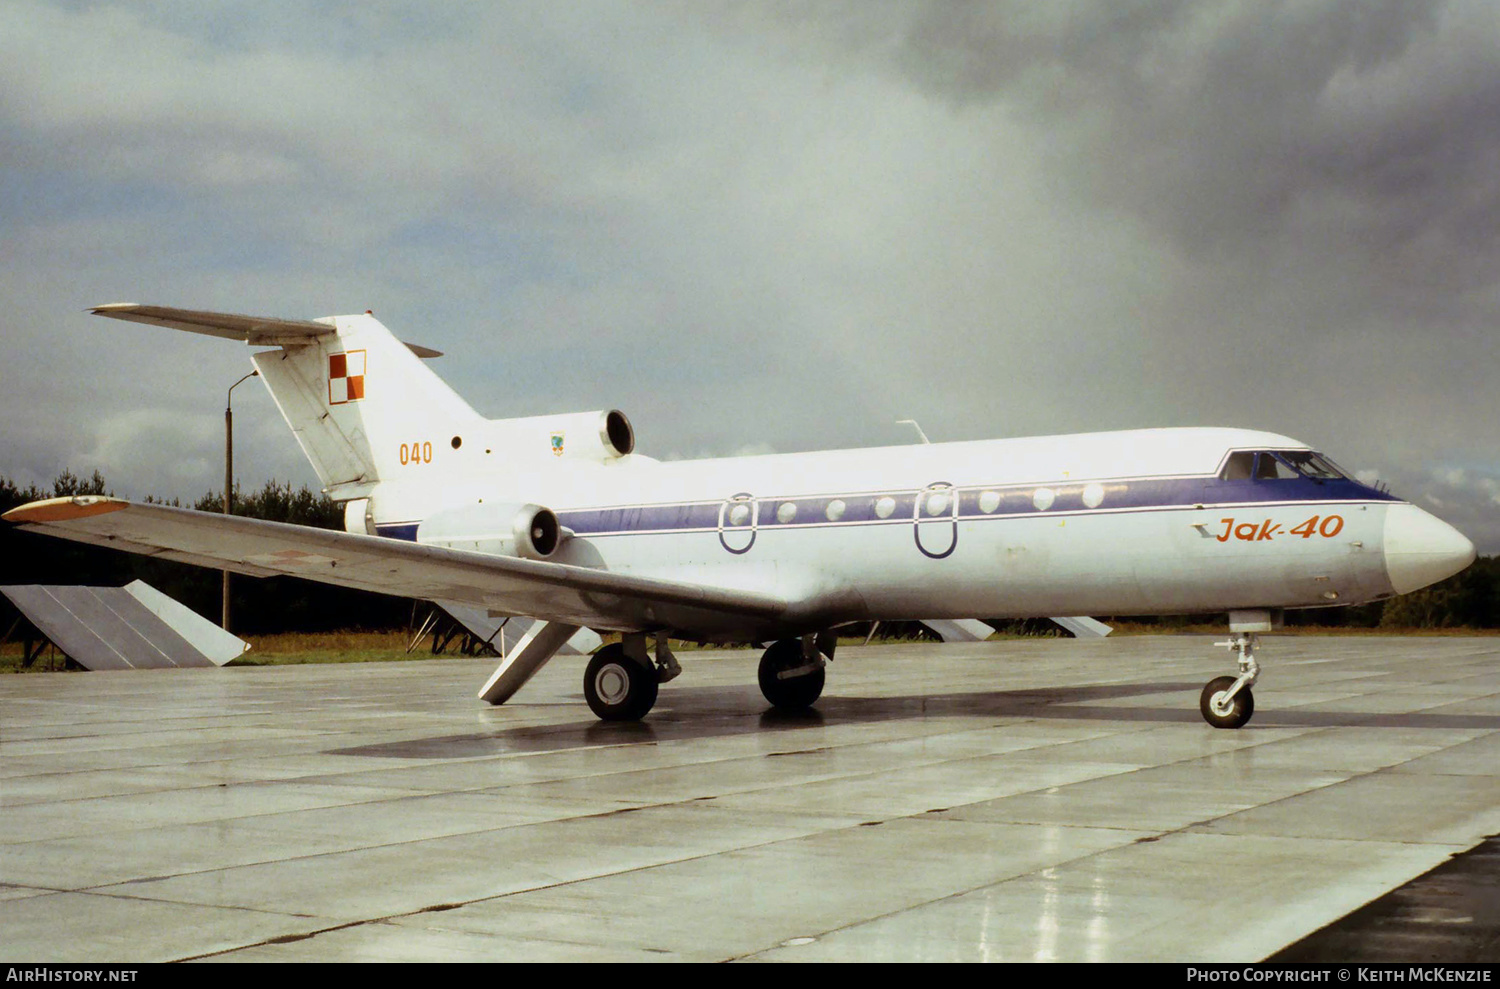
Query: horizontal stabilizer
x,y
255,330
258,331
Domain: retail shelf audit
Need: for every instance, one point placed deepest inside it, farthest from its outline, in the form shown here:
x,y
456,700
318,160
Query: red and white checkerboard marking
x,y
346,377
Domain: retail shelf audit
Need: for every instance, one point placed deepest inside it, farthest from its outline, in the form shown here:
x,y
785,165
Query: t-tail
x,y
369,412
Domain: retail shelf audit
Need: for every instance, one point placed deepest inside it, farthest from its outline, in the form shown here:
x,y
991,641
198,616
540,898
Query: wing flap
x,y
548,591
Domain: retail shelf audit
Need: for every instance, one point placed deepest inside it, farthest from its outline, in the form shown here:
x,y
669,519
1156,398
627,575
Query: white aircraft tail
x,y
366,410
362,404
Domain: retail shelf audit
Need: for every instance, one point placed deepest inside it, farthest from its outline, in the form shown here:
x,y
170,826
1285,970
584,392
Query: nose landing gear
x,y
1226,702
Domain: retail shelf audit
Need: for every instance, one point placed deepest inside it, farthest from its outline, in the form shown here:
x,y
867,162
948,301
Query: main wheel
x,y
617,687
795,692
1221,715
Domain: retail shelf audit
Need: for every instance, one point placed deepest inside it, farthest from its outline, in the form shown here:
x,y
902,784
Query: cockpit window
x,y
1281,465
1312,465
1238,467
1269,467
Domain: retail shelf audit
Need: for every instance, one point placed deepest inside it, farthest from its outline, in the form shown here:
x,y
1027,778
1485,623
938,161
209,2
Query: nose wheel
x,y
1222,709
1226,702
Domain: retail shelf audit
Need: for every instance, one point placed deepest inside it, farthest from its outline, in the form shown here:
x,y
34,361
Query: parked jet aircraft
x,y
557,518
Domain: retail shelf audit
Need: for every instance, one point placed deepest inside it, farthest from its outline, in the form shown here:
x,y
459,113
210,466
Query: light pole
x,y
229,473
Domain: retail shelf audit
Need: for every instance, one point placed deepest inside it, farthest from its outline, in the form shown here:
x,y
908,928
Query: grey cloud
x,y
1349,126
778,224
1353,126
1466,498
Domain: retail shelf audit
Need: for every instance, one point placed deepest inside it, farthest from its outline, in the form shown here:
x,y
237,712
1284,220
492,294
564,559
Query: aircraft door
x,y
738,517
935,517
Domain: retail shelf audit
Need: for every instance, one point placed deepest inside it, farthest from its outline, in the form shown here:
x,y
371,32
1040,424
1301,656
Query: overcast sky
x,y
767,226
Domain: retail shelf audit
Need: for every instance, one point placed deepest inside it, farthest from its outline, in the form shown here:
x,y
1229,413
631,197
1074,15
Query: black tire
x,y
793,693
1240,708
617,687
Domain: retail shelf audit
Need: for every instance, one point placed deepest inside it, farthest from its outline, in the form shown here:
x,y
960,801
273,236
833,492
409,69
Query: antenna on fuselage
x,y
913,424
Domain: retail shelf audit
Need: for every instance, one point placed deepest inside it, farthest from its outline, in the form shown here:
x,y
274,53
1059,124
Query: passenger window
x,y
1238,468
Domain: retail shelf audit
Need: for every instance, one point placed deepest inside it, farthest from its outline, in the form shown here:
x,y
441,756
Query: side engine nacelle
x,y
528,531
593,436
359,516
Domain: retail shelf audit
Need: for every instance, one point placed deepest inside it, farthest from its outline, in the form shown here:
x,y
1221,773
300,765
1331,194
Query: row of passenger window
x,y
935,504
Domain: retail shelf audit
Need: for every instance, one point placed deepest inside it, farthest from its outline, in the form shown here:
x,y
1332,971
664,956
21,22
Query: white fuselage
x,y
1130,522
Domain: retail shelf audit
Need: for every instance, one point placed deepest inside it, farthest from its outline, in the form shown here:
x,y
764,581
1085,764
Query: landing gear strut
x,y
1226,702
791,671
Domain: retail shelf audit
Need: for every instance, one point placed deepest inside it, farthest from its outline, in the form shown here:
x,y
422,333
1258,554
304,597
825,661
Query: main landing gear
x,y
1226,702
791,671
621,681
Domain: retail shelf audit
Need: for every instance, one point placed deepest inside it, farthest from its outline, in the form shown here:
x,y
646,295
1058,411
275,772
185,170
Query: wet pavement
x,y
1011,800
1451,914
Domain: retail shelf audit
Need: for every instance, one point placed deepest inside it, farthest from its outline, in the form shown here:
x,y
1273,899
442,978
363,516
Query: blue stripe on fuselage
x,y
399,530
1010,501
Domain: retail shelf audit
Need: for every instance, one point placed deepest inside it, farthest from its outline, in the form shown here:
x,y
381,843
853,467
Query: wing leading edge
x,y
549,591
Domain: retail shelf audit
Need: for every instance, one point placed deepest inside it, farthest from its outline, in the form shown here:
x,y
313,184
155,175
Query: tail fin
x,y
363,405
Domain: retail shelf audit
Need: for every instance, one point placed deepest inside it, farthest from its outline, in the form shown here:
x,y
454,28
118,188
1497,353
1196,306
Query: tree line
x,y
260,605
287,604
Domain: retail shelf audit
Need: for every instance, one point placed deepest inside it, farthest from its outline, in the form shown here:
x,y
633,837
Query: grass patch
x,y
12,653
287,649
293,648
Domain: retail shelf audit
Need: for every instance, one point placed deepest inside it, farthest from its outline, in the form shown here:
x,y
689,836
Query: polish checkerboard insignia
x,y
346,377
557,444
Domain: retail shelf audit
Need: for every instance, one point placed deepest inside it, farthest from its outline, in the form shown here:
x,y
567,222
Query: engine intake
x,y
596,436
528,531
536,532
617,433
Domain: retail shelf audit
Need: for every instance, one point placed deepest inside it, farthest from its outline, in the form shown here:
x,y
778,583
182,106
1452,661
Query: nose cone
x,y
1421,549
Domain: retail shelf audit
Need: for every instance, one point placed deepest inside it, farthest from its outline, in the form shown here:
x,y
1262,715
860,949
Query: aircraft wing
x,y
553,592
258,331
